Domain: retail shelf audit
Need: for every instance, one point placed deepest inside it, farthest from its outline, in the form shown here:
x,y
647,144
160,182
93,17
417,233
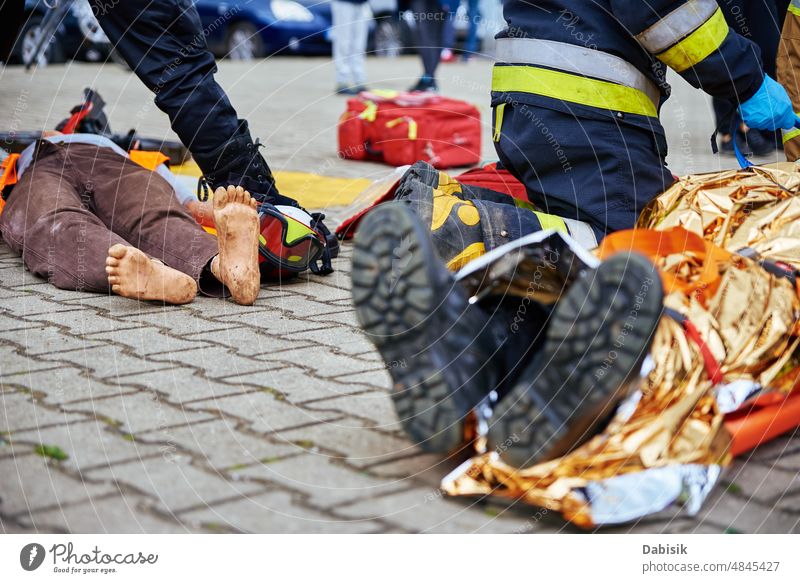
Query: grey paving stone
x,y
326,483
262,412
10,323
762,482
108,361
118,306
322,292
118,514
26,304
148,341
747,516
183,384
47,341
218,362
178,321
214,308
377,377
274,512
219,444
66,384
300,306
251,341
173,484
80,321
323,361
423,510
345,316
88,445
272,321
12,362
426,469
20,411
296,384
138,412
340,338
375,407
28,483
360,446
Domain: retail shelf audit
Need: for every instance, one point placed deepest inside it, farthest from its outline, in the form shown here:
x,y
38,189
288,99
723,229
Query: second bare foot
x,y
237,231
132,274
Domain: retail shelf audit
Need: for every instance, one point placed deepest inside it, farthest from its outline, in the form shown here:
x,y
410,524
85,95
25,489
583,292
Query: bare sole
x,y
237,226
132,274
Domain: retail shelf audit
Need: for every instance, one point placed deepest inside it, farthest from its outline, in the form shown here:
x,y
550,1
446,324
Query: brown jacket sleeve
x,y
789,74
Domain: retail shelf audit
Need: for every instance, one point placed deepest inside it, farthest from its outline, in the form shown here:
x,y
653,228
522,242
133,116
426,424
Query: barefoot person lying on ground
x,y
86,217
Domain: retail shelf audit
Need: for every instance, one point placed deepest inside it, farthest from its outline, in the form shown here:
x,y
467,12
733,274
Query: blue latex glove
x,y
770,108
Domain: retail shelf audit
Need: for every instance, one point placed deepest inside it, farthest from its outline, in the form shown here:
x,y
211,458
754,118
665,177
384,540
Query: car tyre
x,y
26,41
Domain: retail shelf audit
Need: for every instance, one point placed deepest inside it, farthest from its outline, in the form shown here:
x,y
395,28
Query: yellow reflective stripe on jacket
x,y
790,134
794,7
572,88
698,45
676,25
551,222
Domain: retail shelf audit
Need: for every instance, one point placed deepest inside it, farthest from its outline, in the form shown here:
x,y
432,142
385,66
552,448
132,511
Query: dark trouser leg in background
x,y
164,43
164,49
430,25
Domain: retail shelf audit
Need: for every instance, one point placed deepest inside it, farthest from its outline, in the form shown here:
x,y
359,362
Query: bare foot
x,y
132,274
237,231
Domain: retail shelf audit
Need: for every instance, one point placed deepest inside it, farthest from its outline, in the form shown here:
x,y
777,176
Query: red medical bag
x,y
402,128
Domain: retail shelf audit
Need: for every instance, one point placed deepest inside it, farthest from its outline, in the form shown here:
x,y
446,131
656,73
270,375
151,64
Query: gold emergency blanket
x,y
746,318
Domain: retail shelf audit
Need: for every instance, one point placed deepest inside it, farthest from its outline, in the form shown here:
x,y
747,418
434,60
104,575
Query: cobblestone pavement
x,y
214,417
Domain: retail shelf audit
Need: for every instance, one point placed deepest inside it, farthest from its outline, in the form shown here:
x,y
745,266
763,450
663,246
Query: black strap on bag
x,y
324,265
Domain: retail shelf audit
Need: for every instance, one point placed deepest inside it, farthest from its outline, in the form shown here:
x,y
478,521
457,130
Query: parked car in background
x,y
251,29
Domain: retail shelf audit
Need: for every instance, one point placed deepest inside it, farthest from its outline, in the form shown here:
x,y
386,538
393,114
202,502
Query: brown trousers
x,y
789,74
75,201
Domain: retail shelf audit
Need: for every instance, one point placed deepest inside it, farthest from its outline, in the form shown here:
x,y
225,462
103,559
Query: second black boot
x,y
597,338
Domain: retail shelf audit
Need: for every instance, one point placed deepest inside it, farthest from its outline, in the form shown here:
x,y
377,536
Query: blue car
x,y
247,29
251,29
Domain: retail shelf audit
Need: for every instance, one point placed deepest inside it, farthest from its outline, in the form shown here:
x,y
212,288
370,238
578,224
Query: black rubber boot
x,y
596,341
239,162
440,350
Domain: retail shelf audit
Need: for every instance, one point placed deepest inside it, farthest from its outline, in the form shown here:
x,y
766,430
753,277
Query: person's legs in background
x,y
430,22
449,7
474,16
358,53
341,21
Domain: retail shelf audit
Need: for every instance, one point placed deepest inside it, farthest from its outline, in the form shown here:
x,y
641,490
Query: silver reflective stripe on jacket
x,y
581,232
577,60
677,25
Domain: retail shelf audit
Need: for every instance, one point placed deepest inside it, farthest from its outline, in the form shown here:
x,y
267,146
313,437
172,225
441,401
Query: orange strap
x,y
8,171
149,160
677,240
8,176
